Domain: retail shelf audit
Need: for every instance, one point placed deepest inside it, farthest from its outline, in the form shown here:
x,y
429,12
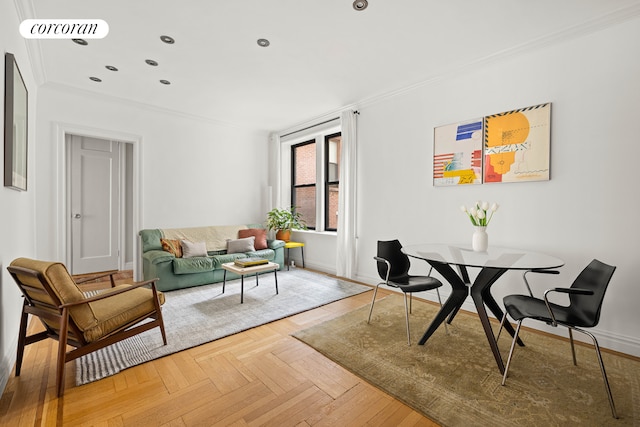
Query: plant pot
x,y
284,235
480,240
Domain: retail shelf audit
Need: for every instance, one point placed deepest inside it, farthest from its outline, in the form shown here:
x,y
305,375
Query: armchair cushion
x,y
113,312
63,286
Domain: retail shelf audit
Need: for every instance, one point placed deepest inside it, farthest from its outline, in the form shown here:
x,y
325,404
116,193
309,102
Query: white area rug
x,y
202,314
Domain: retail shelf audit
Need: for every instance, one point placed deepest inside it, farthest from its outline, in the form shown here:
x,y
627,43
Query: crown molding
x,y
60,87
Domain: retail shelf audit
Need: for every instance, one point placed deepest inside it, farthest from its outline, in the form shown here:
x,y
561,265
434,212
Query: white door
x,y
94,187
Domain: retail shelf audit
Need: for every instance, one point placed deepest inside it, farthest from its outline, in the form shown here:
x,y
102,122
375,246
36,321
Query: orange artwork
x,y
517,145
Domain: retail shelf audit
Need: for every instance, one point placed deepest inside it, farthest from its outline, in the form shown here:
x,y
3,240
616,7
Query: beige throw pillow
x,y
193,249
241,245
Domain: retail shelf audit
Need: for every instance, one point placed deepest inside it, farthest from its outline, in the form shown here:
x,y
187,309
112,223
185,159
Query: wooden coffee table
x,y
243,271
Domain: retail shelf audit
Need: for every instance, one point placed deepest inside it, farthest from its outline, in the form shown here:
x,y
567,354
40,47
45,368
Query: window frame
x,y
327,182
295,186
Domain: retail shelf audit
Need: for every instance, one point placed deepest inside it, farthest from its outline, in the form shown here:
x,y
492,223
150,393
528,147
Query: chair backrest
x,y
595,277
391,250
46,286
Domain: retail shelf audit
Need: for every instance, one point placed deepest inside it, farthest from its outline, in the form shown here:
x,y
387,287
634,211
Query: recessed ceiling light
x,y
151,62
360,4
167,39
165,82
263,42
95,79
110,68
81,42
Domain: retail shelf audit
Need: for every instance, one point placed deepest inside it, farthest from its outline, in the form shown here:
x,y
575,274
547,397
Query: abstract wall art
x,y
457,157
513,146
517,145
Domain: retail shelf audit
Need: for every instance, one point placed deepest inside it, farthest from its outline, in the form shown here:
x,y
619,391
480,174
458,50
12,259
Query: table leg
x,y
287,258
464,275
453,303
224,280
242,289
275,275
302,250
256,279
492,305
479,291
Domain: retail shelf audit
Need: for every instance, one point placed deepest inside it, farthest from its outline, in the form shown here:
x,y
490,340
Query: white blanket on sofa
x,y
215,237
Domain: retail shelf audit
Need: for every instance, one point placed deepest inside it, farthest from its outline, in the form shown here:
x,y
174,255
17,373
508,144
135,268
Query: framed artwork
x,y
517,145
15,126
457,153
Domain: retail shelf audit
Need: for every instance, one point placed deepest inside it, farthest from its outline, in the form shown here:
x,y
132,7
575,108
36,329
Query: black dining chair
x,y
585,302
393,268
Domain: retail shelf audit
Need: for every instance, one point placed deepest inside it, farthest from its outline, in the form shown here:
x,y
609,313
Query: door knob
x,y
77,216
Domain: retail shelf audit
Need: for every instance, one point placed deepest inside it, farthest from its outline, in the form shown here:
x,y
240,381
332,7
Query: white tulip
x,y
473,211
485,206
480,214
463,208
495,207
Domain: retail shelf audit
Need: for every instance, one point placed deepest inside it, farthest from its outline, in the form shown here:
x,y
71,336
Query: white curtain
x,y
275,185
346,250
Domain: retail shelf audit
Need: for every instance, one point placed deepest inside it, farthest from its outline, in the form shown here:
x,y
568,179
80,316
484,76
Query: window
x,y
333,144
315,180
303,180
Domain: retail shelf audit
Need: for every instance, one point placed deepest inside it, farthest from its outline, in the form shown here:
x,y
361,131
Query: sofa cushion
x,y
269,254
193,249
218,260
192,265
172,246
241,245
259,233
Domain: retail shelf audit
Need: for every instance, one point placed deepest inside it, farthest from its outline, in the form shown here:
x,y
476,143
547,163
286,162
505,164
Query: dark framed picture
x,y
15,126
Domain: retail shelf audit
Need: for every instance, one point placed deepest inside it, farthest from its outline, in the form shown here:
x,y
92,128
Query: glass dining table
x,y
492,263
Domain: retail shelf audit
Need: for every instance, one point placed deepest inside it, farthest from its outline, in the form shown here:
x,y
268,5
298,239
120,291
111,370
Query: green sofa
x,y
179,273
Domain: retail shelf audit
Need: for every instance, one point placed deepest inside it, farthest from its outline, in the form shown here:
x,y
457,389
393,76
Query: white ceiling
x,y
324,55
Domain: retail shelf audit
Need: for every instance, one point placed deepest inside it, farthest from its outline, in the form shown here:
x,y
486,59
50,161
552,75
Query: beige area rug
x,y
454,380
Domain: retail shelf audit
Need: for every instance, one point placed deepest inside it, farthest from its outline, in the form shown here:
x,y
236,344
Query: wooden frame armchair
x,y
71,318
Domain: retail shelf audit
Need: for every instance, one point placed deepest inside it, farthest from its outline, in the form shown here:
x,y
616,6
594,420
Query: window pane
x,y
305,166
305,200
332,207
333,157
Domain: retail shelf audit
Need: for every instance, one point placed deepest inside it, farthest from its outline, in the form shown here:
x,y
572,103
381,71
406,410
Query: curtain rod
x,y
317,124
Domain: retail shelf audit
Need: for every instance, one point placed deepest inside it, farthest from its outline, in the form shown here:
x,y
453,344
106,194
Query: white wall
x,y
588,209
194,172
17,209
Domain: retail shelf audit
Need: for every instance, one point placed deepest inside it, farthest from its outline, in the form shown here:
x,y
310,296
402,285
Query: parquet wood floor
x,y
259,377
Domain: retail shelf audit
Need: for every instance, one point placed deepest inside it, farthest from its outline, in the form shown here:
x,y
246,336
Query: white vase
x,y
480,240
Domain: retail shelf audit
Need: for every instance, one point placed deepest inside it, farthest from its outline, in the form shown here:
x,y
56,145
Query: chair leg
x,y
604,373
513,346
406,315
373,300
573,349
22,338
410,302
62,350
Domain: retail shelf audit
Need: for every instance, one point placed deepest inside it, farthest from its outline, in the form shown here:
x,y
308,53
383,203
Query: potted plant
x,y
285,220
